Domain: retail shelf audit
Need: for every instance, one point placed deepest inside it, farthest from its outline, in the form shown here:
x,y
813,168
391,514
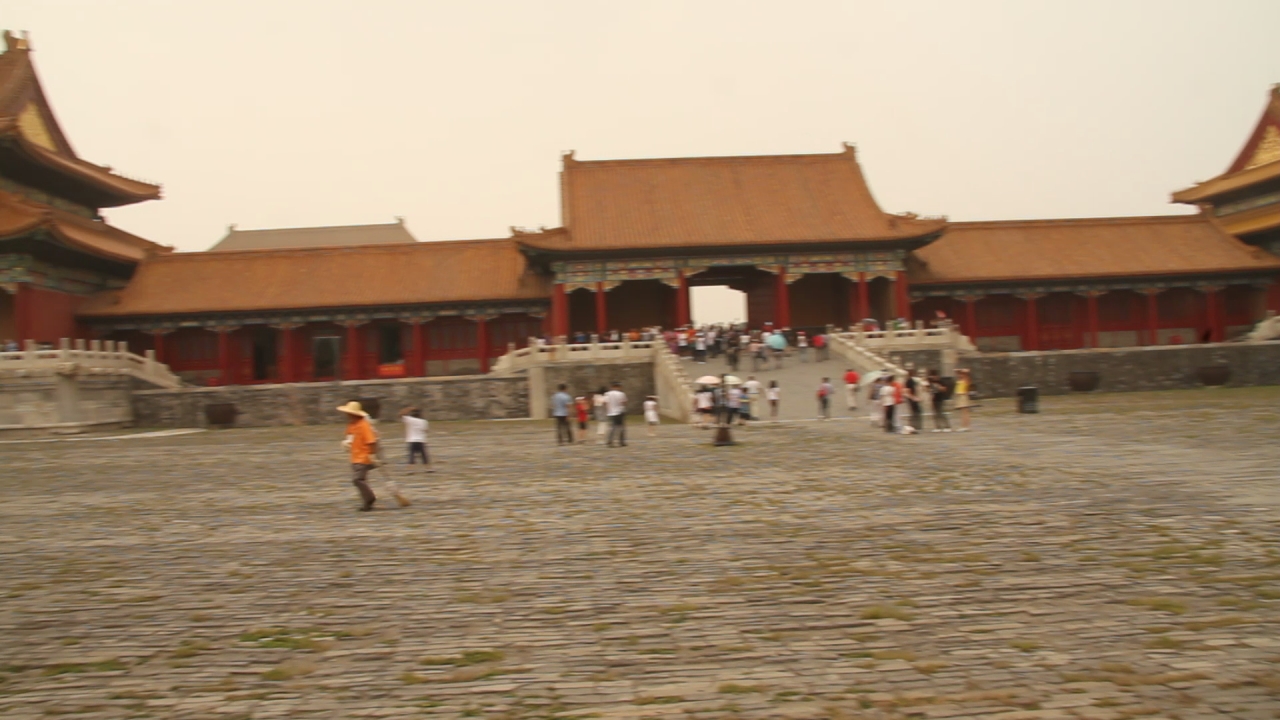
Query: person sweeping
x,y
362,442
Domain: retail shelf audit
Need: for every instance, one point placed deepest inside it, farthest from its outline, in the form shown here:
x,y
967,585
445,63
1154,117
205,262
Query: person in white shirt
x,y
615,403
597,405
752,409
889,403
415,435
651,415
774,394
706,403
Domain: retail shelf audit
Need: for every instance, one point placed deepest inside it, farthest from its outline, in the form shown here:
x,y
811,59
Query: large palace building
x,y
801,235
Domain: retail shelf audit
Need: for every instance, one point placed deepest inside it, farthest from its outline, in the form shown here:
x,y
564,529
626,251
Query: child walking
x,y
651,418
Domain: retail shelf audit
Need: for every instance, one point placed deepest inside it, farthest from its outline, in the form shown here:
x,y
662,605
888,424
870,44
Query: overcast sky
x,y
453,114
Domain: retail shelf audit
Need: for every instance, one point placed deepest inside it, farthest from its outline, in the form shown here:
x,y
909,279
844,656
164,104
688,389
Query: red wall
x,y
45,315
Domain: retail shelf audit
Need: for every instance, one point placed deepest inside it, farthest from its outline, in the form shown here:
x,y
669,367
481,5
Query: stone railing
x,y
860,357
98,357
671,383
674,387
537,355
917,338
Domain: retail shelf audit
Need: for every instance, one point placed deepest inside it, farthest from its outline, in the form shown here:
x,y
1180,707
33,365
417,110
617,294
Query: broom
x,y
390,481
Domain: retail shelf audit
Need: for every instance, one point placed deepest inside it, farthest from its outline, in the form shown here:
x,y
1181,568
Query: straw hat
x,y
353,408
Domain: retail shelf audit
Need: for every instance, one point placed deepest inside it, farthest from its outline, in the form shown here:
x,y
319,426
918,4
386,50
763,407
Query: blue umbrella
x,y
777,341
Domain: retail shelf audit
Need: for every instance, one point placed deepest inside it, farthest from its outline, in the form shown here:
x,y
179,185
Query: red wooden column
x,y
971,315
288,342
682,299
903,292
158,341
353,351
782,303
1153,316
226,371
864,296
1033,322
417,358
855,309
559,311
602,310
1091,308
482,340
1214,313
23,310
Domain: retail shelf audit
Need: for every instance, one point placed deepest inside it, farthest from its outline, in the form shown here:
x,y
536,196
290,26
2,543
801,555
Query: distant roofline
x,y
233,228
570,160
1119,220
370,248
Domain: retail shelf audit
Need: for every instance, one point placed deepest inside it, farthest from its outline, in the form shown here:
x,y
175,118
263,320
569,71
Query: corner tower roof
x,y
1258,161
34,150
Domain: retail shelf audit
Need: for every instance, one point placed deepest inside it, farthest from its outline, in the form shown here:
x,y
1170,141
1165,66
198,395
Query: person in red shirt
x,y
583,410
851,388
362,441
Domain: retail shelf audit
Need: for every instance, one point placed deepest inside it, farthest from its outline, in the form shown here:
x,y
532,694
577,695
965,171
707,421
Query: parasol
x,y
707,380
777,341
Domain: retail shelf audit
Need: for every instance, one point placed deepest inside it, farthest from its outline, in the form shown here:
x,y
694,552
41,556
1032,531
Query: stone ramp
x,y
797,380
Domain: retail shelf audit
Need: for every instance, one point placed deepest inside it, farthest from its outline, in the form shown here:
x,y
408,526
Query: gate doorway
x,y
717,304
325,351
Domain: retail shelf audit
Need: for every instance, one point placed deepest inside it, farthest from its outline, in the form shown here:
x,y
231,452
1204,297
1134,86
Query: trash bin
x,y
1029,399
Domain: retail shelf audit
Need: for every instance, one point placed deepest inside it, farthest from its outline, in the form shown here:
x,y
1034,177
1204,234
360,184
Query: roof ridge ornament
x,y
17,42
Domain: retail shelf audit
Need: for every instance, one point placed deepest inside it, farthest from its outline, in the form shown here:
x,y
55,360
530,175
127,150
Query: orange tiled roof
x,y
19,90
1085,248
329,236
1258,161
364,276
718,201
19,216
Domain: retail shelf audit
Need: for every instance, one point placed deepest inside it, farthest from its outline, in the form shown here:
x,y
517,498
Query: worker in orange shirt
x,y
362,441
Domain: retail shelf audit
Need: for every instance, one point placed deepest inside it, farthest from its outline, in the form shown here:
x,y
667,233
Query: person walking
x,y
651,418
602,415
821,350
560,403
875,411
824,399
362,443
851,390
802,346
733,406
583,411
753,389
888,401
964,397
774,395
615,403
756,349
705,400
415,436
913,391
938,392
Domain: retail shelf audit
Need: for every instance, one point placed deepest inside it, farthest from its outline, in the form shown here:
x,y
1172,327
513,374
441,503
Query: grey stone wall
x,y
922,359
50,399
1166,367
474,397
636,378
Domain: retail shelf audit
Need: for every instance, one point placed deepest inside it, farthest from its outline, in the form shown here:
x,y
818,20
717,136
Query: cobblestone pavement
x,y
1113,557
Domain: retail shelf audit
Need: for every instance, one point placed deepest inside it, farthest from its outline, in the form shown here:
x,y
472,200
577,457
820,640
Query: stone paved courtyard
x,y
1113,557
